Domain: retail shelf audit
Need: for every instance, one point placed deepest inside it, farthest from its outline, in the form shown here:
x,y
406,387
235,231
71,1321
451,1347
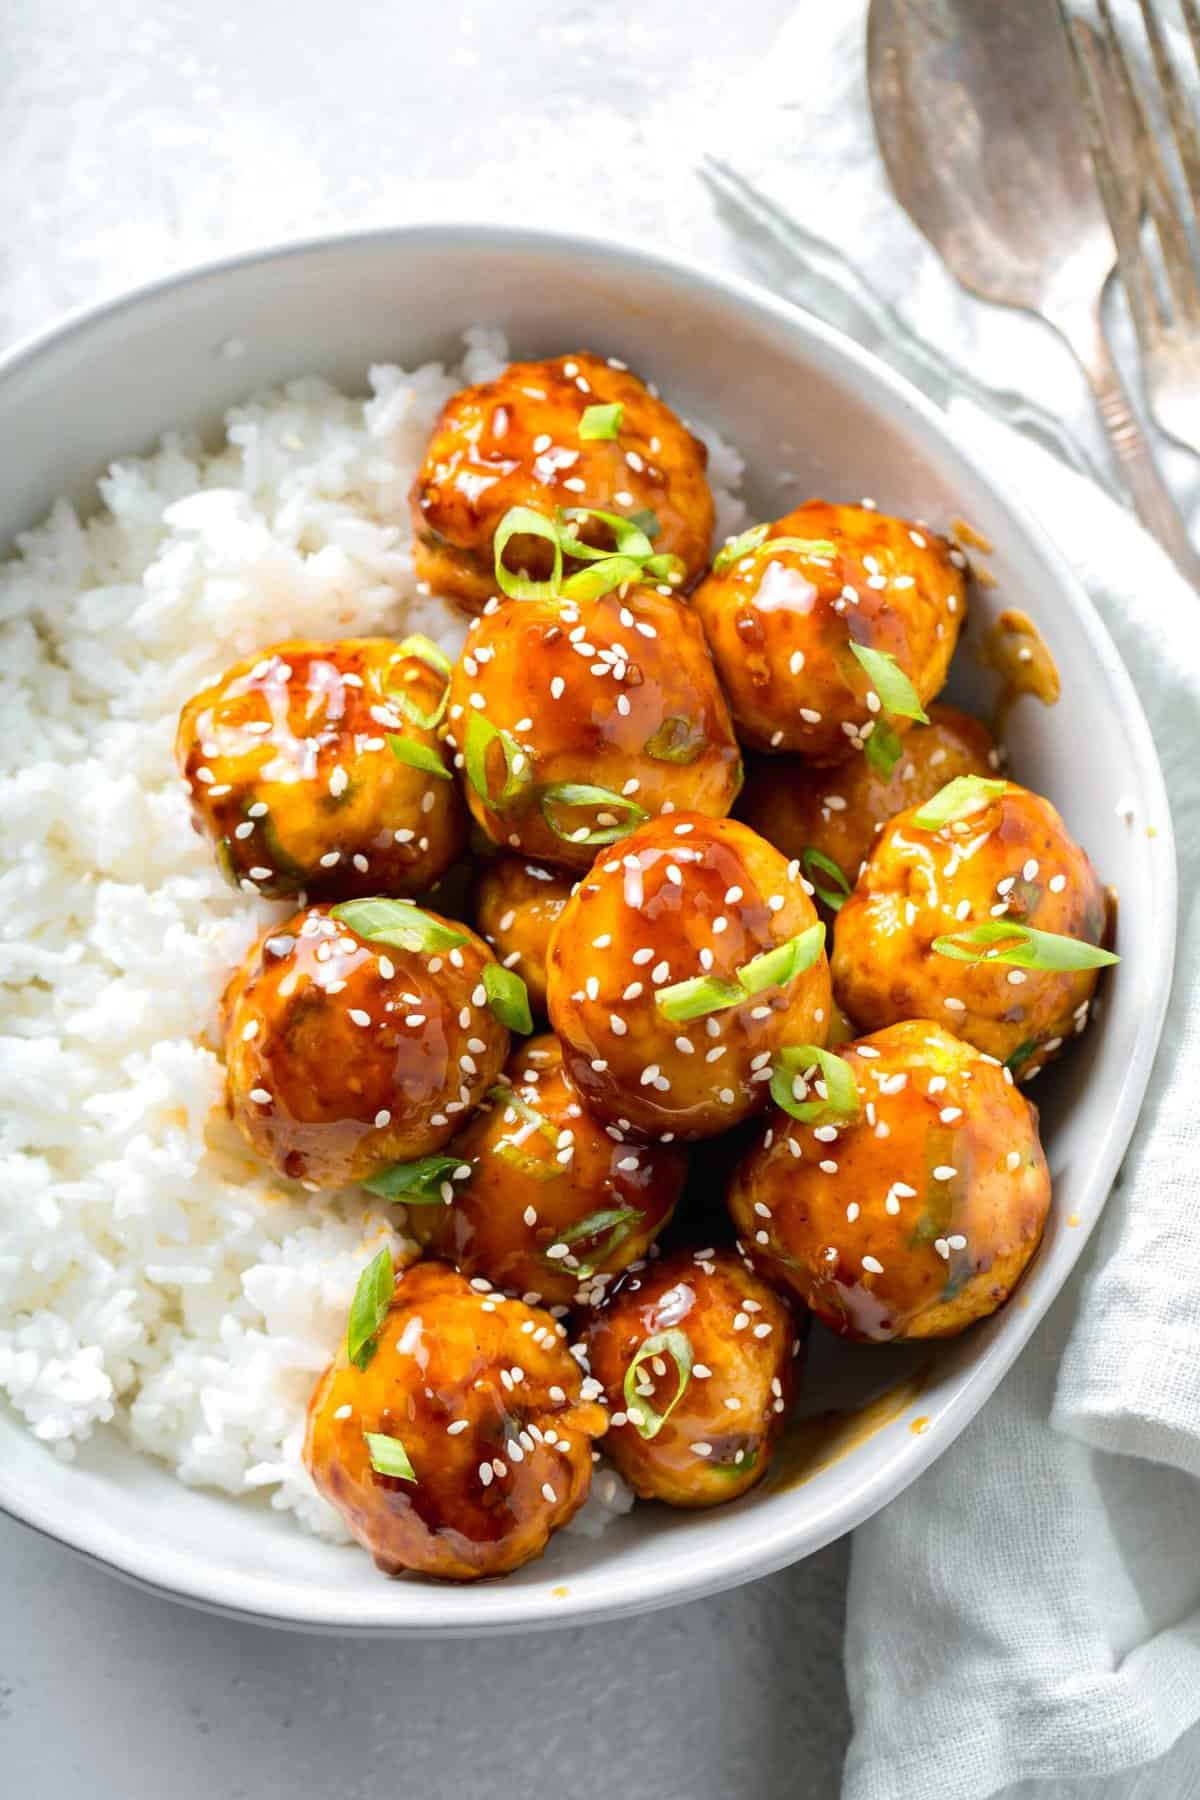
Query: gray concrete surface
x,y
141,136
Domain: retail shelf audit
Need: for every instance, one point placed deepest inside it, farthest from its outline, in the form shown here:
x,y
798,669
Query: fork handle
x,y
1152,498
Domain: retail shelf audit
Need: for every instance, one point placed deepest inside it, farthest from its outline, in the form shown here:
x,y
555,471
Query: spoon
x,y
978,119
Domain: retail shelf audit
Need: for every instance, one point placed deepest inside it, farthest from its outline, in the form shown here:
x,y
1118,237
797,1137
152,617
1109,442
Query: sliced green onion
x,y
572,794
418,1183
677,740
388,1456
1020,1055
523,521
695,998
755,542
738,547
508,997
615,1220
1004,941
369,1308
965,795
601,577
665,567
897,695
507,1096
628,538
884,748
775,968
518,770
678,1346
422,649
814,861
841,1103
418,756
397,922
512,1151
646,521
534,1168
601,421
426,651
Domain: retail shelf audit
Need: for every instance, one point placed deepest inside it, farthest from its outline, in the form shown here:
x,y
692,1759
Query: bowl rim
x,y
684,1574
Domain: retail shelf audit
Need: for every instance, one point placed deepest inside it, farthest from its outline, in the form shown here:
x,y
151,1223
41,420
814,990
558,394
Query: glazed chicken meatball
x,y
696,1357
346,1052
517,905
784,623
575,720
1006,860
911,1213
680,965
316,766
530,439
833,816
553,1206
485,1418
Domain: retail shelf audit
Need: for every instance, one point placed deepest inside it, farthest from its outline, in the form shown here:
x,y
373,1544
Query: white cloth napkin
x,y
1026,1618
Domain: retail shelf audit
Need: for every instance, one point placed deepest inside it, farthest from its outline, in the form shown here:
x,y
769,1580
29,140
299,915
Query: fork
x,y
1132,175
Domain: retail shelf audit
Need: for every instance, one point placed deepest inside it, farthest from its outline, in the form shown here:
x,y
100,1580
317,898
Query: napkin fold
x,y
1025,1619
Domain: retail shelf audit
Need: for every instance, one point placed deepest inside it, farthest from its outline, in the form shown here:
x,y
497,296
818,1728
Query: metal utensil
x,y
1132,173
978,120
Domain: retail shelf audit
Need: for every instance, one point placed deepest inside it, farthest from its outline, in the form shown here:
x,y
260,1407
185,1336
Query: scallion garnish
x,y
508,997
388,1456
704,994
601,421
677,740
646,521
397,922
601,577
628,540
418,1183
738,547
755,542
418,756
965,795
775,968
840,1105
815,861
523,521
507,1096
1004,941
518,769
369,1308
537,1168
424,650
571,795
615,1220
897,695
884,748
696,997
676,1344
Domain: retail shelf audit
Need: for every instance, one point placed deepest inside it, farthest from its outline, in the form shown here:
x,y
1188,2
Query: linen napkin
x,y
1025,1619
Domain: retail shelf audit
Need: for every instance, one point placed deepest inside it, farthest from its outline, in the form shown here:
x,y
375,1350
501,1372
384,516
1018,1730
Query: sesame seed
x,y
260,1096
944,1172
382,1117
548,1493
1057,883
457,1425
701,1449
872,1265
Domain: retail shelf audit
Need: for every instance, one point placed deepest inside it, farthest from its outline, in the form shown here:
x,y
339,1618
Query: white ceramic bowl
x,y
813,415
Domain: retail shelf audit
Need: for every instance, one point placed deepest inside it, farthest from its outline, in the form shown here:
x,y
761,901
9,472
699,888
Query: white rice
x,y
153,1275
